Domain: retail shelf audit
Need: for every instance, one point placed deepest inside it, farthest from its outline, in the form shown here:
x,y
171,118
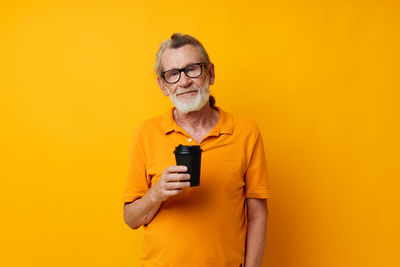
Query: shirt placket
x,y
184,138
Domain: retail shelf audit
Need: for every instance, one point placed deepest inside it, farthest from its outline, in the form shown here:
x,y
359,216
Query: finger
x,y
173,177
174,169
177,185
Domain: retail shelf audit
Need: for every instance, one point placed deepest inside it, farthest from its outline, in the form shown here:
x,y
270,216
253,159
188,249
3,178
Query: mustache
x,y
182,91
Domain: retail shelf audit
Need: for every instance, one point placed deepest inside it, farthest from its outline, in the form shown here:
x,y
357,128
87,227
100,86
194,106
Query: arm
x,y
143,210
257,216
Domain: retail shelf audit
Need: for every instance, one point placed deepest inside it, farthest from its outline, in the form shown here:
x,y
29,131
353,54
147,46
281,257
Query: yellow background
x,y
320,78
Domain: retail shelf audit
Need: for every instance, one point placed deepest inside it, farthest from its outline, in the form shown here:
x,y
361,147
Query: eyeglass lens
x,y
192,71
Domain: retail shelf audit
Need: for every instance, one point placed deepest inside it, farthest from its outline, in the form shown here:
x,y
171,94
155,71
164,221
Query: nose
x,y
184,81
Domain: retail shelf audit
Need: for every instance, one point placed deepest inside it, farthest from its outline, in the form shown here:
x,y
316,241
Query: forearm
x,y
255,242
142,210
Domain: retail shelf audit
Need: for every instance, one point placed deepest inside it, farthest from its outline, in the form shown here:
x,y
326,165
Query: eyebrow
x,y
191,63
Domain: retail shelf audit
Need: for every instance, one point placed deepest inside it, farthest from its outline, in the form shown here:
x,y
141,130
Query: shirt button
x,y
190,139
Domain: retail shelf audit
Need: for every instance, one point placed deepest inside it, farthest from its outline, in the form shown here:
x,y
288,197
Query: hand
x,y
169,183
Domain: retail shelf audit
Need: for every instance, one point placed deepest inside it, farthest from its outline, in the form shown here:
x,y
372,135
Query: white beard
x,y
195,104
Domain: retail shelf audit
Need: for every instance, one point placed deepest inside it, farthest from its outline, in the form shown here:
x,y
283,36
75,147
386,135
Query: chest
x,y
223,165
198,135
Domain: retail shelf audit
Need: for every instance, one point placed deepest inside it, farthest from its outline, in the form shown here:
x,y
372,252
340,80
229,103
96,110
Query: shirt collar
x,y
224,124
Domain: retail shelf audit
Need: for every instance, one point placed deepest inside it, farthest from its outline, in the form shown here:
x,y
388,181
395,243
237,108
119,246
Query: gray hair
x,y
178,40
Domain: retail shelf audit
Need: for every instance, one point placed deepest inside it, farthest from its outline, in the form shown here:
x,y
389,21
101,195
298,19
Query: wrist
x,y
153,196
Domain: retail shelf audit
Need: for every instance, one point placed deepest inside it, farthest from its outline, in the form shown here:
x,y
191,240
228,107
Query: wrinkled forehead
x,y
177,58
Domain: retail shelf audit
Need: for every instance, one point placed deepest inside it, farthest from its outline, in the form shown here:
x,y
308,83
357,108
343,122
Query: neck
x,y
206,117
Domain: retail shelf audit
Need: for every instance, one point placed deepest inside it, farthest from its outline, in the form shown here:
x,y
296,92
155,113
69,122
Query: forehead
x,y
180,57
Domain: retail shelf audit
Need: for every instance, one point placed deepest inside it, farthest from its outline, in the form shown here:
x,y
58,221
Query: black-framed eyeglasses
x,y
191,71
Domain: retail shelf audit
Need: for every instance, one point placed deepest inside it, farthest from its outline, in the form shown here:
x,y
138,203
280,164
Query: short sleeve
x,y
256,177
136,183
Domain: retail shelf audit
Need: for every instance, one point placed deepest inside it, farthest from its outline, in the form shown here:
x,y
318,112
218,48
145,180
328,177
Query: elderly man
x,y
223,221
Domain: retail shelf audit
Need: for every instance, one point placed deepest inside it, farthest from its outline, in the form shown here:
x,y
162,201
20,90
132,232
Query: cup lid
x,y
187,149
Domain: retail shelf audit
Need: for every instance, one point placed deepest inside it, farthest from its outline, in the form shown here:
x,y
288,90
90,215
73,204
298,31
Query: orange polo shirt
x,y
204,225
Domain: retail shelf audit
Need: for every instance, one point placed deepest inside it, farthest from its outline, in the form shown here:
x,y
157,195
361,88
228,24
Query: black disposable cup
x,y
190,156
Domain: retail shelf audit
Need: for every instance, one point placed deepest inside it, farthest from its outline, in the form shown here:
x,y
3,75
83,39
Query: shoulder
x,y
243,125
148,127
150,123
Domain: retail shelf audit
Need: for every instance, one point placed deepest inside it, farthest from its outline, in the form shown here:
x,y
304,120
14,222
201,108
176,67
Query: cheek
x,y
170,89
199,84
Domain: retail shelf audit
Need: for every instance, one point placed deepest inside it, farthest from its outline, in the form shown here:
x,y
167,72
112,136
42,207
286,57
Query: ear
x,y
162,86
211,72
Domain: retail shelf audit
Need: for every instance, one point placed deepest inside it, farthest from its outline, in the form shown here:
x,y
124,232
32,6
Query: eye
x,y
172,73
192,68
